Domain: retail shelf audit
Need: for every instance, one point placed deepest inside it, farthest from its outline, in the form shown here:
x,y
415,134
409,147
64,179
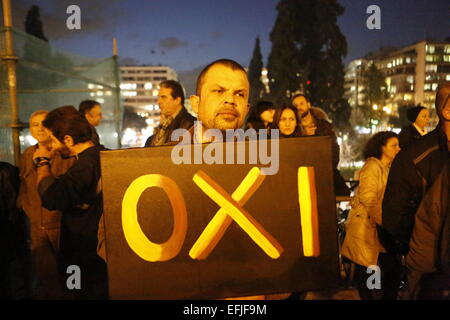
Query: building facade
x,y
412,75
139,88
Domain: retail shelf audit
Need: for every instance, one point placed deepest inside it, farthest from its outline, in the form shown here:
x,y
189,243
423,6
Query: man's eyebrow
x,y
216,85
242,90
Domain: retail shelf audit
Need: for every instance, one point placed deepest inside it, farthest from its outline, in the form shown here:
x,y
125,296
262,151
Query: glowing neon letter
x,y
234,209
307,197
134,235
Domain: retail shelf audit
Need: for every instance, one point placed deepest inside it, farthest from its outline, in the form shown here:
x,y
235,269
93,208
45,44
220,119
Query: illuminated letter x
x,y
231,209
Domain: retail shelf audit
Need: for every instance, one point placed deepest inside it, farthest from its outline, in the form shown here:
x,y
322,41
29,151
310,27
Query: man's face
x,y
301,105
223,101
446,110
168,105
58,146
37,130
94,116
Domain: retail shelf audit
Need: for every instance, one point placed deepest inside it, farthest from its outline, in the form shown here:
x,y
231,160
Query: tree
x,y
254,74
33,24
375,95
401,120
307,52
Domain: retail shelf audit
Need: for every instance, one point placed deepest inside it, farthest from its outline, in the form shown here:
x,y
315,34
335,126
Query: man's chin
x,y
223,124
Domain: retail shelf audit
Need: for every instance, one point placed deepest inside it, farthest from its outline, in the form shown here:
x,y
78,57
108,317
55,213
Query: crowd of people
x,y
399,218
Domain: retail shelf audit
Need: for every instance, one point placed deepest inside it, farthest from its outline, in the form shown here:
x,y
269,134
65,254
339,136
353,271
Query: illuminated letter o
x,y
134,235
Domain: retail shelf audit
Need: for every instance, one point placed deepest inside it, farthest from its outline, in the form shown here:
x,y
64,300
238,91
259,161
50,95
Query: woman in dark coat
x,y
419,117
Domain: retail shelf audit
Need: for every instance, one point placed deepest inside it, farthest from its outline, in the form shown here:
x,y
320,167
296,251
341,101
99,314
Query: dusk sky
x,y
188,34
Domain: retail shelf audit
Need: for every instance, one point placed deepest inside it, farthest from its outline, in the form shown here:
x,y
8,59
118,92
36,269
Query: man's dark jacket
x,y
77,194
413,172
182,121
430,242
408,135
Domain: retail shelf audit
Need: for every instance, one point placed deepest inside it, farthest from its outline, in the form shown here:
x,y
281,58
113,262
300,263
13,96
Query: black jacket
x,y
430,241
10,237
77,194
408,135
182,121
412,173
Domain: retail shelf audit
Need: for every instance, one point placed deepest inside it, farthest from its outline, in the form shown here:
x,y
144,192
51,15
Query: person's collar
x,y
421,132
177,113
86,151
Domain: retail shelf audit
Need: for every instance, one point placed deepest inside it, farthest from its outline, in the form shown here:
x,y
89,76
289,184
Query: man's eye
x,y
240,94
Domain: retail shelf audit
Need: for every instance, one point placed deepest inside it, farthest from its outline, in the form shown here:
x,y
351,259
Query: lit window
x,y
447,49
447,77
431,68
429,58
434,86
128,86
408,60
410,79
430,49
447,58
427,87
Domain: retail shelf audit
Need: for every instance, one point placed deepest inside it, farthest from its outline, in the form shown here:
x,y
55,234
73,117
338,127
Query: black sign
x,y
209,231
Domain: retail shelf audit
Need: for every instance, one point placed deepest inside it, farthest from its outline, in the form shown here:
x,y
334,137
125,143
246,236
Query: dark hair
x,y
277,118
254,116
376,142
233,65
413,112
86,106
300,95
262,106
67,120
177,89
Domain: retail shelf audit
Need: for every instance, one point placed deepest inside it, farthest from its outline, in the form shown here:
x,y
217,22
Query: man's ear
x,y
195,101
68,141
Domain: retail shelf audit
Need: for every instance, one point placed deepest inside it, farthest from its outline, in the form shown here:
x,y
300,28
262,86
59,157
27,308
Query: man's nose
x,y
230,98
